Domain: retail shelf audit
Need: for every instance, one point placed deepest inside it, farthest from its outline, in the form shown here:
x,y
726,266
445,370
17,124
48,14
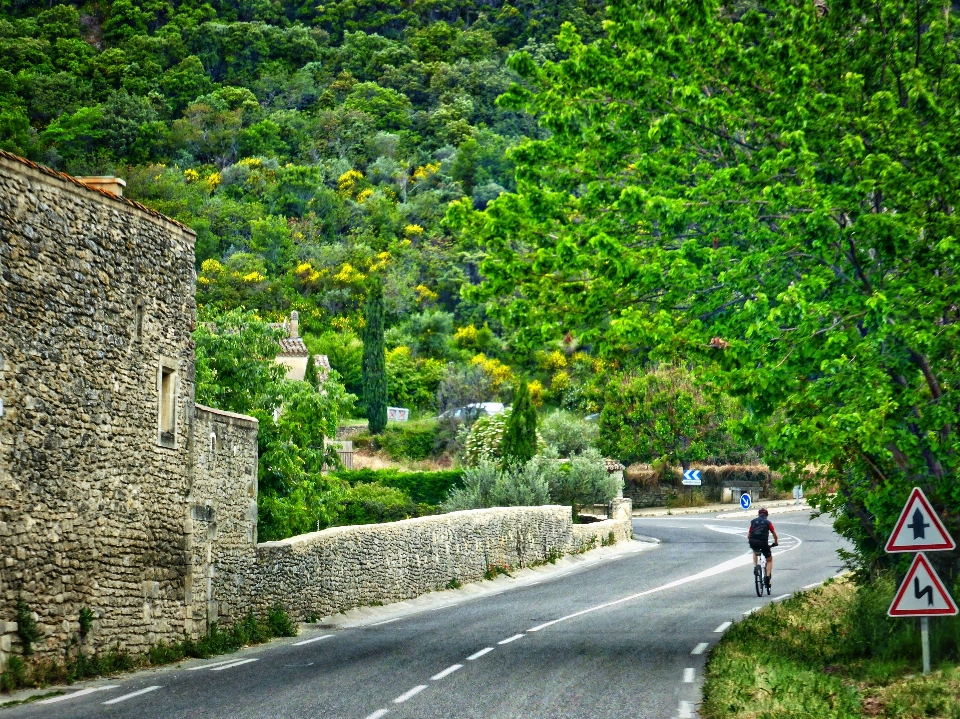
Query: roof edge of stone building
x,y
241,420
43,169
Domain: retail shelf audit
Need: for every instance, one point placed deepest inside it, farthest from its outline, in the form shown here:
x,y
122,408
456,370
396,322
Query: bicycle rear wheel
x,y
758,575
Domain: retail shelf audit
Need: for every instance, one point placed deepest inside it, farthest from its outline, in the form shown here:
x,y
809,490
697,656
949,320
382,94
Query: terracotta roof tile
x,y
293,347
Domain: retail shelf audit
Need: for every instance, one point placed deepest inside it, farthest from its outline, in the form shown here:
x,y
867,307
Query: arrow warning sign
x,y
922,594
919,529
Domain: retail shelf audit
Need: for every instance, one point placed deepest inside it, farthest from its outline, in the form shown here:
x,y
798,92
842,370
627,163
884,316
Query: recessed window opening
x,y
138,322
168,406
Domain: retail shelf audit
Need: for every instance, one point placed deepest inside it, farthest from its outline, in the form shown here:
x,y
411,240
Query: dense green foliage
x,y
519,442
422,487
567,434
831,653
236,372
664,416
374,365
769,191
411,440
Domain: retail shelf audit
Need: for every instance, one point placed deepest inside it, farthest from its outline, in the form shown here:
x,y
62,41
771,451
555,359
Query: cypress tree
x,y
374,360
519,442
310,374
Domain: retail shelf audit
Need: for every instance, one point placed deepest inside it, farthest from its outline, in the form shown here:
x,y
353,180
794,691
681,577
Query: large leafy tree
x,y
771,190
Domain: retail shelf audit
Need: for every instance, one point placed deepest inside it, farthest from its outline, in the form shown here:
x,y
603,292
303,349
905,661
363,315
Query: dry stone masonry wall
x,y
119,495
96,309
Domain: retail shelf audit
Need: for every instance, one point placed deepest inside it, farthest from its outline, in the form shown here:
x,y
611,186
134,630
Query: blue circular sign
x,y
745,500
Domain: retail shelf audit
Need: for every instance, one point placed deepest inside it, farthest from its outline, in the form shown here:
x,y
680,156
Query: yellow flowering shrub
x,y
536,392
413,230
422,173
560,381
364,195
348,275
425,294
465,336
347,182
213,181
189,175
553,361
211,266
253,277
496,370
307,274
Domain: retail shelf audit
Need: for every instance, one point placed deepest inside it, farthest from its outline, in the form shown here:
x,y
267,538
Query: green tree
x,y
310,374
374,360
519,443
771,193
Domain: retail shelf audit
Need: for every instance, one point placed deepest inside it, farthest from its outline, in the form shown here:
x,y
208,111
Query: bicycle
x,y
760,572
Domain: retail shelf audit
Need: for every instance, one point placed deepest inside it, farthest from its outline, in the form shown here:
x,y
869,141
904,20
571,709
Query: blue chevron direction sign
x,y
691,478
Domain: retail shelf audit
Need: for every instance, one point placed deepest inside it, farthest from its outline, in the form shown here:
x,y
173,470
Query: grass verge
x,y
832,653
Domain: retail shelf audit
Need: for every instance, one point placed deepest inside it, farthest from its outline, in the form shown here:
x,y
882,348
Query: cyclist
x,y
760,530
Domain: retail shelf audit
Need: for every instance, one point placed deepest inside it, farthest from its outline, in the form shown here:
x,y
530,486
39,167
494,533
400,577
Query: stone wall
x,y
336,569
96,311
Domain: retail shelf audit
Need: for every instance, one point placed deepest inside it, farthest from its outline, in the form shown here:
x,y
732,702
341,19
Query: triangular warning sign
x,y
919,529
922,594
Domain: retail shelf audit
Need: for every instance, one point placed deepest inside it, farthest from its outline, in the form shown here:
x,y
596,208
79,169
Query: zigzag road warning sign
x,y
919,529
922,594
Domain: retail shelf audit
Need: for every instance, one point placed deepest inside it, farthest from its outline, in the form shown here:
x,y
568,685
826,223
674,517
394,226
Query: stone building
x,y
294,354
100,502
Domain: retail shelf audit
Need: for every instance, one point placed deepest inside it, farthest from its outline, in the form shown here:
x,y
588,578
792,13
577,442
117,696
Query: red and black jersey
x,y
760,529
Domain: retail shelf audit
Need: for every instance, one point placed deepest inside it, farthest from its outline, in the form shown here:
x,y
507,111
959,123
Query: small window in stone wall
x,y
138,322
167,404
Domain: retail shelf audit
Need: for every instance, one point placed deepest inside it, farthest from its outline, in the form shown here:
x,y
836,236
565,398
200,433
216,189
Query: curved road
x,y
625,637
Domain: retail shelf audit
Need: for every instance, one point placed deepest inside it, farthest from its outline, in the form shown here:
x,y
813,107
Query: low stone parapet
x,y
326,572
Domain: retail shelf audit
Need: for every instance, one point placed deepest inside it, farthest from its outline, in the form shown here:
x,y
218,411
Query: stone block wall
x,y
96,308
336,569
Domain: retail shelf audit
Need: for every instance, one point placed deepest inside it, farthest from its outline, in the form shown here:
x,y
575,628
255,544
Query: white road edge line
x,y
311,641
781,597
385,621
686,710
412,693
740,561
131,695
81,693
700,648
235,664
479,654
514,638
379,713
446,672
214,664
812,586
751,611
722,628
688,675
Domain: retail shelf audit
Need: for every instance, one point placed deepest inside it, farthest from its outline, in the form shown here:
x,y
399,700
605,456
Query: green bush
x,y
423,487
568,433
410,440
375,503
515,485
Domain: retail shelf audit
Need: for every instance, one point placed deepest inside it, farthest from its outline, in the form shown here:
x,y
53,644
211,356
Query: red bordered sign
x,y
922,594
919,529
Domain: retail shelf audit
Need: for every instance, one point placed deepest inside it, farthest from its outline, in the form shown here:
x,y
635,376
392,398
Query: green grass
x,y
831,653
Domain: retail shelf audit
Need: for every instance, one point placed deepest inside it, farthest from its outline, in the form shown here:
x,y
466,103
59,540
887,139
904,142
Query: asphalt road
x,y
627,637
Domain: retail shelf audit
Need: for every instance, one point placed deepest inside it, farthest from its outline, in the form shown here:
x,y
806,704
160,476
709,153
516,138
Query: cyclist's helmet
x,y
763,512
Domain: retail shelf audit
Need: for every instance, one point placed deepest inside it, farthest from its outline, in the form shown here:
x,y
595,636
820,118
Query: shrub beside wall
x,y
422,487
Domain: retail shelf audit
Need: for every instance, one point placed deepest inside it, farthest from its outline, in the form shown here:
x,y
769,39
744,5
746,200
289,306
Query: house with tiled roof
x,y
294,353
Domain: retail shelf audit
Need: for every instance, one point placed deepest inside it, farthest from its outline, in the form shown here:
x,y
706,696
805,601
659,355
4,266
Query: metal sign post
x,y
922,593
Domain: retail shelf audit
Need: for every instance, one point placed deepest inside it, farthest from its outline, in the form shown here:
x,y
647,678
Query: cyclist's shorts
x,y
763,549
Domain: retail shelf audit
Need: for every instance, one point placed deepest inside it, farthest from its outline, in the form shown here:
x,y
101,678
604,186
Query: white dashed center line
x,y
412,693
722,628
378,713
311,641
700,648
210,666
686,710
514,638
131,695
688,674
446,672
235,664
81,693
479,654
